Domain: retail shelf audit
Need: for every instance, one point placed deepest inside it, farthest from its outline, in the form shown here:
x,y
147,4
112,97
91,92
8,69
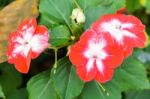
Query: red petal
x,y
86,76
28,23
10,53
85,37
42,30
40,41
115,57
22,63
106,76
127,50
76,55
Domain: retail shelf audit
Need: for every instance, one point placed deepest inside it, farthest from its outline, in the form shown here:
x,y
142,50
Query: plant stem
x,y
77,4
55,65
103,89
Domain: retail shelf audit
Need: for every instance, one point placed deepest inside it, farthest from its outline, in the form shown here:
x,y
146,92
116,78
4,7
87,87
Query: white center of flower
x,y
117,29
95,53
24,40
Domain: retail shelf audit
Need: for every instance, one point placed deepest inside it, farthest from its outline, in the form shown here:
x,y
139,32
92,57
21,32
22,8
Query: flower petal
x,y
105,76
27,23
114,58
76,55
22,63
39,41
86,75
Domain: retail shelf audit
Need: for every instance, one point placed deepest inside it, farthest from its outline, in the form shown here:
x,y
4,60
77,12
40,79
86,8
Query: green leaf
x,y
132,5
148,6
19,94
131,75
94,13
10,79
92,90
66,82
2,96
55,11
142,94
85,4
41,87
106,7
59,35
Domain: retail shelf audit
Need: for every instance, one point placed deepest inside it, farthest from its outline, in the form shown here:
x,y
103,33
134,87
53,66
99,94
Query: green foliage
x,y
132,5
2,93
65,83
131,75
18,94
142,94
59,35
10,79
41,87
70,86
94,91
55,11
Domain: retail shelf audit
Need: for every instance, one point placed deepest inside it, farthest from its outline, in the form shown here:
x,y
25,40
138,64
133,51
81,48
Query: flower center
x,y
118,26
26,43
95,54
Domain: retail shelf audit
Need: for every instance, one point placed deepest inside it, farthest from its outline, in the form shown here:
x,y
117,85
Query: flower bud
x,y
78,15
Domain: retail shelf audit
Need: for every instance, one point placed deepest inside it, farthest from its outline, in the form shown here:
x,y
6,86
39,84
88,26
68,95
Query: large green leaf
x,y
106,7
41,87
85,4
18,94
59,35
92,90
55,11
131,75
10,79
142,94
66,82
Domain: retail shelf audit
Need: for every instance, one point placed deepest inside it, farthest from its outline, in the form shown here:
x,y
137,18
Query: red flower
x,y
27,43
94,58
125,30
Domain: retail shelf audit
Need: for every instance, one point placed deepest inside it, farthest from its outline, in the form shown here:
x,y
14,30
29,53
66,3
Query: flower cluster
x,y
26,43
103,47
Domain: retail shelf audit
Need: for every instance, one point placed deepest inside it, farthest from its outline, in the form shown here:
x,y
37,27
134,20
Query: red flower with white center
x,y
26,44
125,30
94,58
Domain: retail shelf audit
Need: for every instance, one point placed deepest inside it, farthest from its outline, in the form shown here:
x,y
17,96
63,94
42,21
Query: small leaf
x,y
59,35
10,17
41,87
66,82
10,79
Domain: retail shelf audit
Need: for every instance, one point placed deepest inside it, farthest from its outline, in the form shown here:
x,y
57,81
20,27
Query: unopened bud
x,y
78,15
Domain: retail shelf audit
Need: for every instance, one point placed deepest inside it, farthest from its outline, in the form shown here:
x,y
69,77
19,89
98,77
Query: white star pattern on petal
x,y
117,29
95,53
